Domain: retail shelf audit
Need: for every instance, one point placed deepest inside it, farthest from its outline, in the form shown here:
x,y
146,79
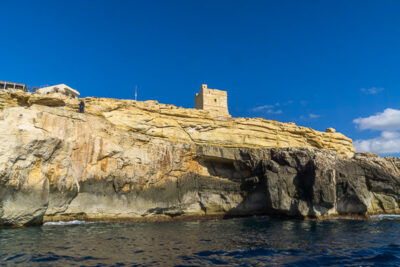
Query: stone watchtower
x,y
212,100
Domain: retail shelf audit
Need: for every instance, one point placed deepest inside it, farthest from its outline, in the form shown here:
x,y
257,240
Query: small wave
x,y
63,223
385,216
251,253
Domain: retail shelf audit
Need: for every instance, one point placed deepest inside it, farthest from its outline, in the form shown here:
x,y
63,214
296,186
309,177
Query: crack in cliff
x,y
183,129
65,116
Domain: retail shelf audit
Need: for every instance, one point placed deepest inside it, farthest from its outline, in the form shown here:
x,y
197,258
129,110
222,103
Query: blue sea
x,y
257,241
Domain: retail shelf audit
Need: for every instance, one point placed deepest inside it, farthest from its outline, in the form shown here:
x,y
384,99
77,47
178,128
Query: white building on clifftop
x,y
59,88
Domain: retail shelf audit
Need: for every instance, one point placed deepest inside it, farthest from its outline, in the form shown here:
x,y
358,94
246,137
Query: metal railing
x,y
10,85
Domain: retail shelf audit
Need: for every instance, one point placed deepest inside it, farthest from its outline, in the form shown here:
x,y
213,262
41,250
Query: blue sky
x,y
316,63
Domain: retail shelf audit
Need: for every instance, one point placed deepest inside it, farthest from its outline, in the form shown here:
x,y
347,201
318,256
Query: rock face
x,y
143,160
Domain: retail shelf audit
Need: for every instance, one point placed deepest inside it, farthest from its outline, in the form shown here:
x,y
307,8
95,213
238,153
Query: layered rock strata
x,y
126,160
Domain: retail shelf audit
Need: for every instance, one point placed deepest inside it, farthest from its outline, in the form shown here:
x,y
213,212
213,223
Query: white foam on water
x,y
63,223
385,216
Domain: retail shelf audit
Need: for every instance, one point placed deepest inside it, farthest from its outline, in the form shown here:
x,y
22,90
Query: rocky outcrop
x,y
316,183
126,160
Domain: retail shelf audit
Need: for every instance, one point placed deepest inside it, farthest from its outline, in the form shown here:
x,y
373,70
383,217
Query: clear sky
x,y
316,63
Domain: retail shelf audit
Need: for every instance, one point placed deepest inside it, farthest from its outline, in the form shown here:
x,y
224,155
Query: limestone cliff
x,y
136,160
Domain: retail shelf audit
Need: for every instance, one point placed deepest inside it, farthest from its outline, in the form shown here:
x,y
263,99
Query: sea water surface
x,y
257,241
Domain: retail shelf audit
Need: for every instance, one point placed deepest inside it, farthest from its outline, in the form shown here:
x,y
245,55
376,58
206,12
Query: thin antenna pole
x,y
136,93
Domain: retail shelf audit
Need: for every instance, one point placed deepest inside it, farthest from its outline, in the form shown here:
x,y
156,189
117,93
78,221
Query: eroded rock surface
x,y
136,160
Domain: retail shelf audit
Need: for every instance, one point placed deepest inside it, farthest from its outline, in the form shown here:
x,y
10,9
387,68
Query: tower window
x,y
215,100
